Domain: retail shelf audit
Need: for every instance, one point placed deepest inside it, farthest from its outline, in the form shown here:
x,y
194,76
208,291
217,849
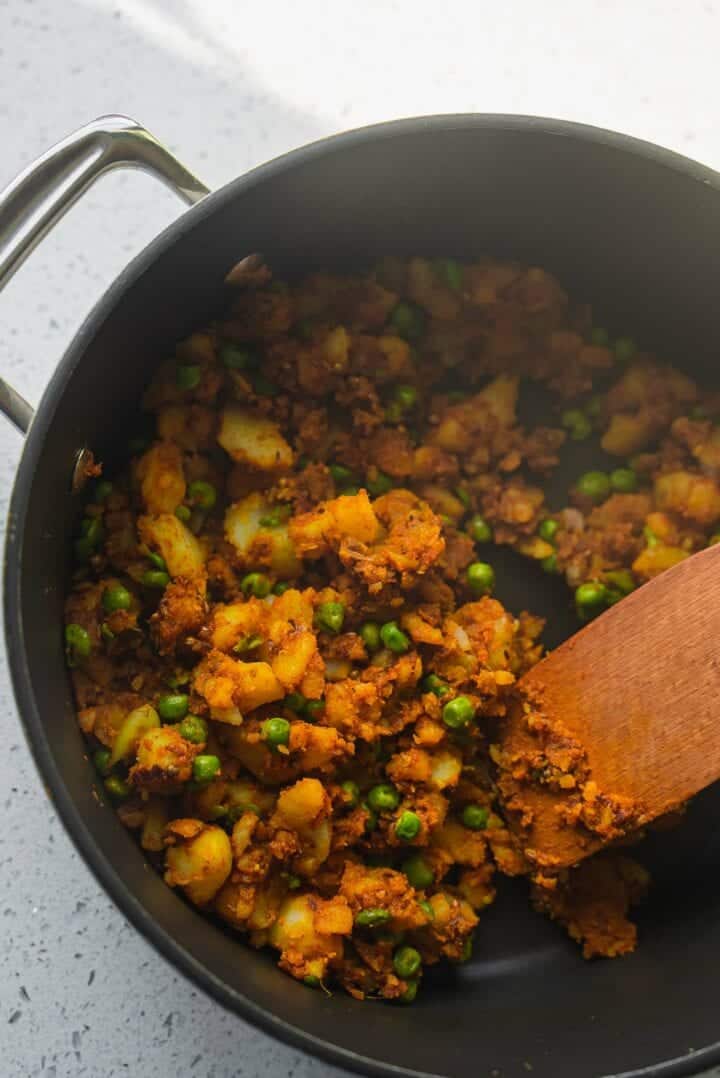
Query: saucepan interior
x,y
634,230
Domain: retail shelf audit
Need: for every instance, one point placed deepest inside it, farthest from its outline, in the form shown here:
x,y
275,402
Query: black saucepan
x,y
633,228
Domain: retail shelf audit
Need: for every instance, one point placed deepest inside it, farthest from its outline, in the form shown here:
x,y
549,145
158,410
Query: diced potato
x,y
135,726
163,762
183,553
656,559
446,768
267,547
301,806
347,517
627,434
200,864
337,348
162,480
291,662
695,497
232,687
253,440
191,427
232,622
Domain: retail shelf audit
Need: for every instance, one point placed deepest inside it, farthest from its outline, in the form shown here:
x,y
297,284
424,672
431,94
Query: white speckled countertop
x,y
228,84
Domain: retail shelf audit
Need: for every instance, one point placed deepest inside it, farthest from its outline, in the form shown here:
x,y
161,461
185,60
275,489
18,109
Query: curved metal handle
x,y
36,199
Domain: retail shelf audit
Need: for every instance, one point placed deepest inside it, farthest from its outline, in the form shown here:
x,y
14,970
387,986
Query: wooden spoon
x,y
639,688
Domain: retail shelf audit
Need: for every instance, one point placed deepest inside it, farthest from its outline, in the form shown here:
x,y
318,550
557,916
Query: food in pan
x,y
286,653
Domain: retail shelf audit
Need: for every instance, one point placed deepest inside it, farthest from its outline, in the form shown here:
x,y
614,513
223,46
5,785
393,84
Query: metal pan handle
x,y
36,199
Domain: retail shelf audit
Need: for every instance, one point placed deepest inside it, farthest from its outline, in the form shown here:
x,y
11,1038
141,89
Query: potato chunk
x,y
162,482
199,861
183,553
253,440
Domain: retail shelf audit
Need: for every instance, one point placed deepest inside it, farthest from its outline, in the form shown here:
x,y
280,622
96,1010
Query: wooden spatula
x,y
639,688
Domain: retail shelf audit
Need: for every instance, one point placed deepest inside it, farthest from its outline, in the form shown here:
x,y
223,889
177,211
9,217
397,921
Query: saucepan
x,y
630,226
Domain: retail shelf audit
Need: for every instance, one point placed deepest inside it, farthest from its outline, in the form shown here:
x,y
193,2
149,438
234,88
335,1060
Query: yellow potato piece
x,y
253,440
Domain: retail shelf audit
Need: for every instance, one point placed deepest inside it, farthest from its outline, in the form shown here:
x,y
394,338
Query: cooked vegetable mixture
x,y
285,649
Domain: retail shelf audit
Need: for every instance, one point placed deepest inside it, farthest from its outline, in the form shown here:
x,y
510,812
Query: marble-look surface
x,y
229,84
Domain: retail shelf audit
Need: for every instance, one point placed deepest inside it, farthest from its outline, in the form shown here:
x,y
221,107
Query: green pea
x,y
248,643
173,706
372,917
194,729
370,635
238,357
295,701
591,599
106,632
381,484
117,787
408,321
383,797
463,497
458,712
311,980
92,530
183,513
624,480
550,564
406,396
263,387
275,517
329,617
313,708
548,529
155,578
466,953
406,962
651,539
371,821
84,550
340,473
101,759
103,490
475,817
599,337
275,732
621,580
77,644
577,424
625,348
480,577
116,597
432,683
351,793
427,909
349,492
451,272
187,376
480,530
256,584
410,993
205,768
594,485
408,826
281,587
294,882
418,872
202,494
156,560
394,638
